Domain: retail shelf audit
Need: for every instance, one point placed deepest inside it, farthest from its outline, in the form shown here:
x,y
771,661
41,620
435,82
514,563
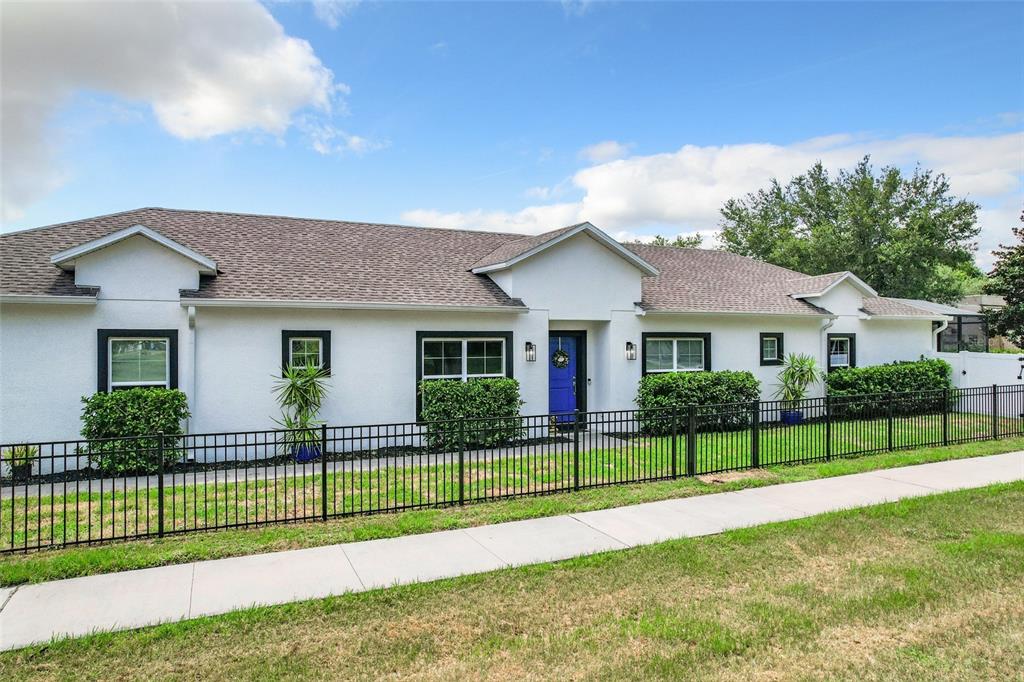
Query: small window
x,y
842,351
139,363
306,349
134,358
676,354
305,352
771,348
462,358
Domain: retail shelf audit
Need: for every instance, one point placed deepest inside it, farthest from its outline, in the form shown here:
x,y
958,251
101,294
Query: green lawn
x,y
85,560
420,481
929,588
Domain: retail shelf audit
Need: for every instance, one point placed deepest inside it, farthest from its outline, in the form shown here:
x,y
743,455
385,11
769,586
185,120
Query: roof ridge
x,y
80,220
824,274
264,215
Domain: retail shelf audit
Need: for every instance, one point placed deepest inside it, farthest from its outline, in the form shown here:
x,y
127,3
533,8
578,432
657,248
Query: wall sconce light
x,y
630,350
531,352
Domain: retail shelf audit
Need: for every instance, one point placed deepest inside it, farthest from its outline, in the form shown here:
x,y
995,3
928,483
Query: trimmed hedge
x,y
127,414
444,400
925,377
662,392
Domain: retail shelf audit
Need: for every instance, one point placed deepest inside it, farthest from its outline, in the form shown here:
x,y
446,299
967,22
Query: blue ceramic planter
x,y
306,453
792,417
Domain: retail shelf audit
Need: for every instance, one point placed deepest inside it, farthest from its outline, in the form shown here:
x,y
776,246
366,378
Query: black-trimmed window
x,y
136,358
463,355
676,352
301,348
770,348
842,351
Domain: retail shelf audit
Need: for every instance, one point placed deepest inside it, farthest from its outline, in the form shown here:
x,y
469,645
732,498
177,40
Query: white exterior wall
x,y
578,279
735,344
879,340
136,269
48,356
373,362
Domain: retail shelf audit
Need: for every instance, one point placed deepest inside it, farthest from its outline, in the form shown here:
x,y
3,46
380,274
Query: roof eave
x,y
758,313
594,232
345,305
65,260
73,299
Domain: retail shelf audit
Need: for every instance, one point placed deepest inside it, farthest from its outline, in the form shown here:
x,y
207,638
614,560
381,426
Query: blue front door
x,y
562,359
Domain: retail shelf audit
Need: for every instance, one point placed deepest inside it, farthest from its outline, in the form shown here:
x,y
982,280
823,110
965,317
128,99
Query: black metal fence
x,y
55,494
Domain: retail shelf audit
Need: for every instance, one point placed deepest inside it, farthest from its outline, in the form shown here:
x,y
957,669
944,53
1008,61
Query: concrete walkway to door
x,y
117,601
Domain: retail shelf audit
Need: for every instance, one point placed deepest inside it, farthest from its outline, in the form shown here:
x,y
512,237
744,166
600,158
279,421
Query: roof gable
x,y
65,259
819,285
507,255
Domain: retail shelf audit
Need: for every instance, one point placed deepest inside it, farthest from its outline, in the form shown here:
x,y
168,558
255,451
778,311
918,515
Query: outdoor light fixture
x,y
630,350
531,352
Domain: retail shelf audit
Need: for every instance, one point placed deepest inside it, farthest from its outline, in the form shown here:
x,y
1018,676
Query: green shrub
x,y
491,405
925,379
123,416
659,393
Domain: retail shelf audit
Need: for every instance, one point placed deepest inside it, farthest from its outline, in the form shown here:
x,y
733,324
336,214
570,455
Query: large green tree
x,y
1007,280
906,236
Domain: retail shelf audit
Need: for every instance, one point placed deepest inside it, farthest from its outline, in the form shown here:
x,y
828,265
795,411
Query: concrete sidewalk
x,y
117,601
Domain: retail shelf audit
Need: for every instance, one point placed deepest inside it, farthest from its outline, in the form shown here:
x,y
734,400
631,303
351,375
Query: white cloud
x,y
576,8
609,150
331,12
205,69
532,220
326,139
683,190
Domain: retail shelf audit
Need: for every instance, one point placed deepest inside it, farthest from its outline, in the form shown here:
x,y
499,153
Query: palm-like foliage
x,y
799,372
300,392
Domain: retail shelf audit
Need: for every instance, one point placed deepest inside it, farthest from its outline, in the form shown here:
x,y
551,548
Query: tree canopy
x,y
1007,280
692,241
905,236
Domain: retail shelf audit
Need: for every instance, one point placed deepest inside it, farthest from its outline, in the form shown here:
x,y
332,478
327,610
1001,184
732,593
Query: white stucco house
x,y
215,303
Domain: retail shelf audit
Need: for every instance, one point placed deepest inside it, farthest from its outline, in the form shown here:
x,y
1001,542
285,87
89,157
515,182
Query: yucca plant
x,y
798,372
19,458
300,392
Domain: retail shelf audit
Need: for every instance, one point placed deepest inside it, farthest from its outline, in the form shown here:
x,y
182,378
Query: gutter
x,y
344,305
61,300
805,316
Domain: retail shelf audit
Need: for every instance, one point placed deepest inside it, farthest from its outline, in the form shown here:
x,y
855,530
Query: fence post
x,y
828,429
462,463
691,440
323,468
576,451
995,411
889,421
675,437
945,416
755,435
160,485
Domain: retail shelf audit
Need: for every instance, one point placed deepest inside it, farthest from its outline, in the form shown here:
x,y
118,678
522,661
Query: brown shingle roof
x,y
280,258
812,284
518,247
881,305
270,257
698,280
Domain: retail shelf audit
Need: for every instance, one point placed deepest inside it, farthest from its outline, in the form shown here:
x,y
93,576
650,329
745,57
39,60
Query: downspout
x,y
823,342
941,328
193,393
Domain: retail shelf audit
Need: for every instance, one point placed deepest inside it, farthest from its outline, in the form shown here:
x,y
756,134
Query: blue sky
x,y
639,117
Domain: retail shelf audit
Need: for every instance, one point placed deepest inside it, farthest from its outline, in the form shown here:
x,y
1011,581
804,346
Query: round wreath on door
x,y
560,359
